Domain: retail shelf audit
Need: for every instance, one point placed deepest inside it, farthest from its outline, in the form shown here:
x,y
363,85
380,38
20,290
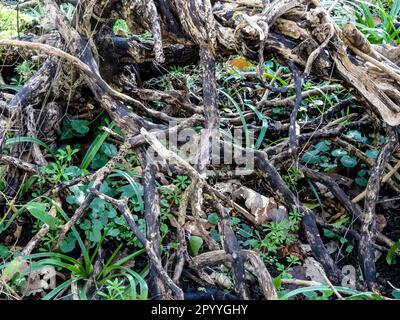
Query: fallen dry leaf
x,y
40,280
264,209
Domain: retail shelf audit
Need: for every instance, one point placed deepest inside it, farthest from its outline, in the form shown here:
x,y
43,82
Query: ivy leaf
x,y
40,211
357,136
213,218
195,244
109,149
361,181
99,161
348,161
372,153
80,126
337,153
111,212
312,157
329,234
215,235
323,146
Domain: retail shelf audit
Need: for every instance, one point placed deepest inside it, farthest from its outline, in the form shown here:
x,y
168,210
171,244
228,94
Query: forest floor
x,y
300,201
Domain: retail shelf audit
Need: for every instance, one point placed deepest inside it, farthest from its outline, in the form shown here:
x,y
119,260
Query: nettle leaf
x,y
109,149
213,218
98,205
372,153
80,126
106,189
40,211
348,161
337,153
95,232
311,157
85,225
195,244
113,232
111,212
120,221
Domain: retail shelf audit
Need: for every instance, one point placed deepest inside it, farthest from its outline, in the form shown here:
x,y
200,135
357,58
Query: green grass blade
x,y
16,140
242,119
94,148
133,184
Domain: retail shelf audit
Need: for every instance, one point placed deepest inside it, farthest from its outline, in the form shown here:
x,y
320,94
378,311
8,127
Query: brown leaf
x,y
264,209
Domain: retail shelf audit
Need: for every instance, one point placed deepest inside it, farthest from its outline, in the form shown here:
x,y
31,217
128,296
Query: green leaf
x,y
278,282
80,126
69,243
349,248
4,252
329,234
396,294
121,25
31,140
372,153
323,146
361,181
195,244
98,204
40,211
242,118
109,149
391,255
94,148
356,135
213,218
95,232
348,161
215,235
15,266
337,153
312,157
99,161
137,188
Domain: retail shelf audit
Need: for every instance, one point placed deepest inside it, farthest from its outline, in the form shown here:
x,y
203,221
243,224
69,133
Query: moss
x,y
9,22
